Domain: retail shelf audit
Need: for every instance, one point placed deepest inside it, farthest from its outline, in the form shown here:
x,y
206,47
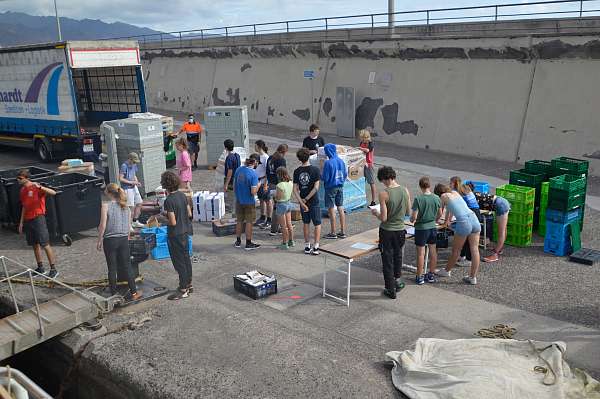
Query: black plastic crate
x,y
139,245
255,292
442,238
585,256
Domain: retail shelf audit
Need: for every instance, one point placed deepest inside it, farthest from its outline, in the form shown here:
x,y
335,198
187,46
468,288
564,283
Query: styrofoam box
x,y
198,208
214,205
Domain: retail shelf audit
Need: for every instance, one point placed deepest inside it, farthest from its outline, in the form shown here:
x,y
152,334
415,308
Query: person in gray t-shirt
x,y
179,228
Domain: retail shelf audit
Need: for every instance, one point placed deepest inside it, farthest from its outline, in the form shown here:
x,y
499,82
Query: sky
x,y
176,15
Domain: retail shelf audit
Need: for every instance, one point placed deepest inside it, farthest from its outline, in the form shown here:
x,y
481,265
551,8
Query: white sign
x,y
104,57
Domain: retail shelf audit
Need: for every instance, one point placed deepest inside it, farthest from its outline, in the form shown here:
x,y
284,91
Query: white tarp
x,y
489,369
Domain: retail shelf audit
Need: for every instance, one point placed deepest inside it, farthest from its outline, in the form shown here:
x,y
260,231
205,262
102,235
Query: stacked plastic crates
x,y
520,219
543,206
532,177
566,202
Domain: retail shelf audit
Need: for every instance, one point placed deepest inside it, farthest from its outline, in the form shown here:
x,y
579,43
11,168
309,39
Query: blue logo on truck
x,y
32,96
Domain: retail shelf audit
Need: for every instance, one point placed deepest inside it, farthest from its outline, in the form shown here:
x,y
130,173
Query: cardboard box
x,y
214,205
355,173
198,206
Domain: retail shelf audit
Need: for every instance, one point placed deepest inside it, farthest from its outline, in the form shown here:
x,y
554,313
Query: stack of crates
x,y
576,167
561,227
533,179
520,219
543,206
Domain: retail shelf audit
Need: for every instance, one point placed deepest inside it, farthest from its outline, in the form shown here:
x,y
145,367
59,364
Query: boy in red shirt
x,y
33,220
366,146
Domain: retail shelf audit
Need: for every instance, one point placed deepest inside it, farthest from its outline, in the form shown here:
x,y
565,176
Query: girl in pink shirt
x,y
184,164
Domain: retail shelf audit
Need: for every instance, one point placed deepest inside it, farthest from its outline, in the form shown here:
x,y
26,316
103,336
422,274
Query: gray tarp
x,y
489,369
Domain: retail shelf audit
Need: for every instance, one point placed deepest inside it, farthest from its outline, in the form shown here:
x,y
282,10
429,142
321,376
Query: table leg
x,y
485,233
348,283
325,275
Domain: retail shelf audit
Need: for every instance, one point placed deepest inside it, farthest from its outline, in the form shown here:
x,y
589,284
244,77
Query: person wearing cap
x,y
193,130
130,183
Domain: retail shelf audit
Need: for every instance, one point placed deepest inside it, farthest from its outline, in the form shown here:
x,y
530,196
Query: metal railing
x,y
103,305
485,13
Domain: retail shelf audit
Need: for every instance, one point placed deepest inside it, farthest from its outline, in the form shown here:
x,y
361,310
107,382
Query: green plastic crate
x,y
519,229
516,194
570,166
538,166
542,229
545,189
561,202
518,240
526,178
569,183
520,217
522,207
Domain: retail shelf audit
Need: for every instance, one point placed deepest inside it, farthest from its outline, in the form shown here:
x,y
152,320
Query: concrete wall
x,y
511,99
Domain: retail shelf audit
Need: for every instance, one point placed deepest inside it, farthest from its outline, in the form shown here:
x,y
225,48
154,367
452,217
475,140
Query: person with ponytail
x,y
113,237
266,205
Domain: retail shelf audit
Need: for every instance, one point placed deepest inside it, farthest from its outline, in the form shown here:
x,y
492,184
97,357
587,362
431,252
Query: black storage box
x,y
225,227
10,204
442,238
255,292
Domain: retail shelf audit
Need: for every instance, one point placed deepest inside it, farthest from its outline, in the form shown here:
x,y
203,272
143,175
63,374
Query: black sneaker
x,y
252,246
237,244
177,295
274,233
390,294
315,251
40,270
259,221
53,273
341,235
373,203
331,236
399,284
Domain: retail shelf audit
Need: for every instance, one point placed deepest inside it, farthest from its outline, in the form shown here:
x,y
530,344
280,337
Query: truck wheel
x,y
43,153
66,239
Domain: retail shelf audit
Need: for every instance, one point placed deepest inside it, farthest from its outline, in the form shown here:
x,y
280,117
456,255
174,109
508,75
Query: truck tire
x,y
43,151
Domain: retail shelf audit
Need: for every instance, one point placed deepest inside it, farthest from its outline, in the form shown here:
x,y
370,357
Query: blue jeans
x,y
467,225
334,197
282,208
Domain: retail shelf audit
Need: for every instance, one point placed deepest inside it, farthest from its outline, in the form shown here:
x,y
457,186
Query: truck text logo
x,y
14,102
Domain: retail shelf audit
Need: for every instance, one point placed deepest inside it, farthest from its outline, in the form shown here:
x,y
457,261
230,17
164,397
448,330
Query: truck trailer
x,y
53,97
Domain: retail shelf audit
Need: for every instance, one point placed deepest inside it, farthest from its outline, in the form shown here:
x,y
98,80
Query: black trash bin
x,y
10,204
76,206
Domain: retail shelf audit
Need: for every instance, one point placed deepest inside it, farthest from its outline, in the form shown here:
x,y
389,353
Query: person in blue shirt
x,y
333,176
245,187
232,163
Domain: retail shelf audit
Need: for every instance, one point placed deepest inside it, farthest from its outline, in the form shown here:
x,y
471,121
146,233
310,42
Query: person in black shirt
x,y
275,161
179,229
306,189
313,141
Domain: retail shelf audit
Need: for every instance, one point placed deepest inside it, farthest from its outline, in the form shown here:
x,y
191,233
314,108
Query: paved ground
x,y
218,343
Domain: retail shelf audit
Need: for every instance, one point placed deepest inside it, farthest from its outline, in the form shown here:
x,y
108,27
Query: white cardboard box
x,y
198,206
215,206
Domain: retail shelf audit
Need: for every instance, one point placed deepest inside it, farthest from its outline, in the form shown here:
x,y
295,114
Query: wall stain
x,y
391,124
303,114
280,114
245,66
234,97
508,53
257,105
332,66
252,107
556,49
270,111
327,106
333,119
366,111
147,75
182,104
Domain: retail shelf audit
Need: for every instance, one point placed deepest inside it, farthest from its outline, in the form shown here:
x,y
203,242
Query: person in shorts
x,y
130,183
306,187
284,208
333,177
275,161
245,186
426,209
33,220
266,203
366,146
501,207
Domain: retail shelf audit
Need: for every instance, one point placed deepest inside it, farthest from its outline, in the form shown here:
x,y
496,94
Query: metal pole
x,y
37,305
10,287
496,14
391,13
57,22
580,8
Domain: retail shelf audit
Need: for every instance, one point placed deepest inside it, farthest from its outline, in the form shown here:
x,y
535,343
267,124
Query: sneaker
x,y
252,246
190,289
443,273
372,203
265,225
275,233
389,293
399,284
315,251
463,263
137,225
260,221
237,244
307,249
331,236
283,246
341,235
492,258
40,270
53,273
291,243
470,280
177,295
420,280
430,278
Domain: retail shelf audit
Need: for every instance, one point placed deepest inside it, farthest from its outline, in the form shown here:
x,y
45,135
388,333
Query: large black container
x,y
10,204
76,206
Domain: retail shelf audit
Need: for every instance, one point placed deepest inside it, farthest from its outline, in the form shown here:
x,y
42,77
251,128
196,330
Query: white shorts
x,y
133,196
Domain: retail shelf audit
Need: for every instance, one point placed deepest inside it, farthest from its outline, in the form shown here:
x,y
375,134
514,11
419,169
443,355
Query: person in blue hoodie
x,y
333,176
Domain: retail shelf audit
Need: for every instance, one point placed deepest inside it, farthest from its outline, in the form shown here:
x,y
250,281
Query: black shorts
x,y
313,214
423,237
264,195
36,231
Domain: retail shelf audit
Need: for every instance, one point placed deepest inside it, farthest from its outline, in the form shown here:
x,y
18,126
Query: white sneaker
x,y
444,273
470,280
137,225
463,263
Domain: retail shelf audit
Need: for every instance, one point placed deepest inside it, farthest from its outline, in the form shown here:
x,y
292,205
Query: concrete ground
x,y
219,343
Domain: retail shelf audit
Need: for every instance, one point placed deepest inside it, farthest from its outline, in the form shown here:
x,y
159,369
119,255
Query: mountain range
x,y
19,28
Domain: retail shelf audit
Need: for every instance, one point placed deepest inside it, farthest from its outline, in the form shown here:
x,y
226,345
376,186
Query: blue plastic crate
x,y
557,231
159,232
161,251
557,247
480,186
556,216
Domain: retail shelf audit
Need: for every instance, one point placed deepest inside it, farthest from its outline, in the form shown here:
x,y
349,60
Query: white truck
x,y
53,97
